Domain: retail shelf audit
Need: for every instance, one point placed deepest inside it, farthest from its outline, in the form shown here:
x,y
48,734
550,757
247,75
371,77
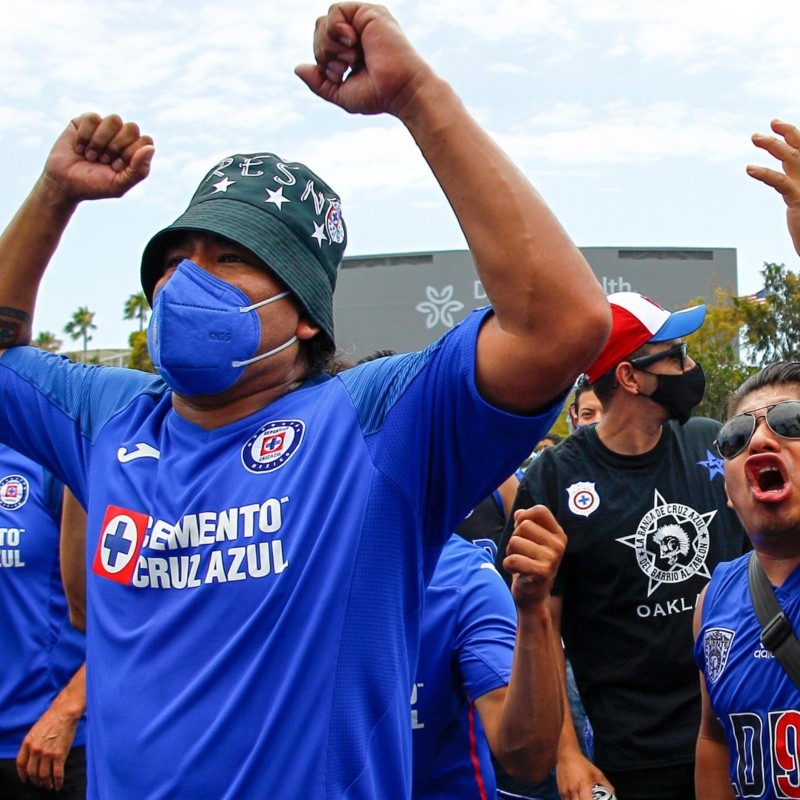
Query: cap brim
x,y
681,323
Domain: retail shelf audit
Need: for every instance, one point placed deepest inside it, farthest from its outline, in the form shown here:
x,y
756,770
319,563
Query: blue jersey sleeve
x,y
53,408
422,414
52,493
486,629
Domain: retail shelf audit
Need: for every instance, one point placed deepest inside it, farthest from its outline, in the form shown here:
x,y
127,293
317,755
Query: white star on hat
x,y
223,185
277,198
319,234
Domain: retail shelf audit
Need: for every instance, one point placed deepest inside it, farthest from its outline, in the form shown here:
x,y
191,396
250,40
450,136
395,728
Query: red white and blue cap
x,y
637,320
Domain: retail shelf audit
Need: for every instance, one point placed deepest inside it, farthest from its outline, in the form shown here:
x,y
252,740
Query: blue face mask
x,y
204,332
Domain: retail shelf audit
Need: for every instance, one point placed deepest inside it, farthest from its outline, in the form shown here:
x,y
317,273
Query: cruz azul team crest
x,y
14,491
333,222
716,647
272,445
582,498
671,543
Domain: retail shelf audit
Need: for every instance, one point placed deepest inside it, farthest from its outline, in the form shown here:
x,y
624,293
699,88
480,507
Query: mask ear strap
x,y
265,355
245,309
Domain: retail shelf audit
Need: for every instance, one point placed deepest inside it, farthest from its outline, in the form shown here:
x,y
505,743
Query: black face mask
x,y
679,394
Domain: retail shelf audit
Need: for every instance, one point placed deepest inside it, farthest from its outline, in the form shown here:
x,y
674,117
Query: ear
x,y
573,415
727,496
626,378
306,329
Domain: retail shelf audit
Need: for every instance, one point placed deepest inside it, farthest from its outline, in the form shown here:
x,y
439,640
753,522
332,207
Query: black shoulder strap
x,y
777,635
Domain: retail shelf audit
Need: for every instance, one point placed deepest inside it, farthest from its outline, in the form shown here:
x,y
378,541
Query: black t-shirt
x,y
485,522
645,532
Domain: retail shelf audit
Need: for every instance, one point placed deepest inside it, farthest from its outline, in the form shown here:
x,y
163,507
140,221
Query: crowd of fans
x,y
301,578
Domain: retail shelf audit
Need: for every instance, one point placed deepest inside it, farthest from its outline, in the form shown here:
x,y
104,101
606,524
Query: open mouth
x,y
766,477
770,479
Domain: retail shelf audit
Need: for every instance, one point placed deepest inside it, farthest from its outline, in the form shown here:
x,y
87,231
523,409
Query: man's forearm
x,y
26,247
73,558
533,707
712,781
516,242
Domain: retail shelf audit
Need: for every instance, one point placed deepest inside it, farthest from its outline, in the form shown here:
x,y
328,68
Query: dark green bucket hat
x,y
282,212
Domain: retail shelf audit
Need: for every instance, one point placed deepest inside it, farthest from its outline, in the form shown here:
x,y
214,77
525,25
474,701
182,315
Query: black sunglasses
x,y
783,419
677,351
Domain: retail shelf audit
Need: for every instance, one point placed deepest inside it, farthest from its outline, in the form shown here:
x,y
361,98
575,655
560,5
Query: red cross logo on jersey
x,y
273,444
582,498
119,544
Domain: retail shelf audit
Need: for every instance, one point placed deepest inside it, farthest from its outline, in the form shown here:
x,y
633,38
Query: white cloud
x,y
619,49
587,95
621,133
561,115
507,68
502,19
374,160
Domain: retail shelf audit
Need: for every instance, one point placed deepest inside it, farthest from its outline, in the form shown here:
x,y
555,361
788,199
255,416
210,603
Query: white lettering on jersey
x,y
210,527
11,538
224,566
762,652
129,543
415,723
10,559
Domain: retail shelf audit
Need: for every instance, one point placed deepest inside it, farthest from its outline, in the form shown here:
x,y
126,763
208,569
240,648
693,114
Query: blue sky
x,y
631,118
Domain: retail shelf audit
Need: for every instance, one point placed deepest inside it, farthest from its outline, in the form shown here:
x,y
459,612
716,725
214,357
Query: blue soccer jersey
x,y
254,591
751,694
41,651
466,650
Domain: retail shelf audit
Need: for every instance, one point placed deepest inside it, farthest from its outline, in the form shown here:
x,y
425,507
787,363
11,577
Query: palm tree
x,y
137,307
47,341
80,325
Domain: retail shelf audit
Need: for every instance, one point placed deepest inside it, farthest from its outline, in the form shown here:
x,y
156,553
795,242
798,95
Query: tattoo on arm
x,y
14,331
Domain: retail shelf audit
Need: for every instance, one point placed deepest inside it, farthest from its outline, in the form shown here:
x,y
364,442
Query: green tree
x,y
47,341
139,357
79,326
137,307
715,345
772,325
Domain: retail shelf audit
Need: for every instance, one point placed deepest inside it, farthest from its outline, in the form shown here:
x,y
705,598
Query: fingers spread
x,y
790,189
788,131
787,151
778,148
